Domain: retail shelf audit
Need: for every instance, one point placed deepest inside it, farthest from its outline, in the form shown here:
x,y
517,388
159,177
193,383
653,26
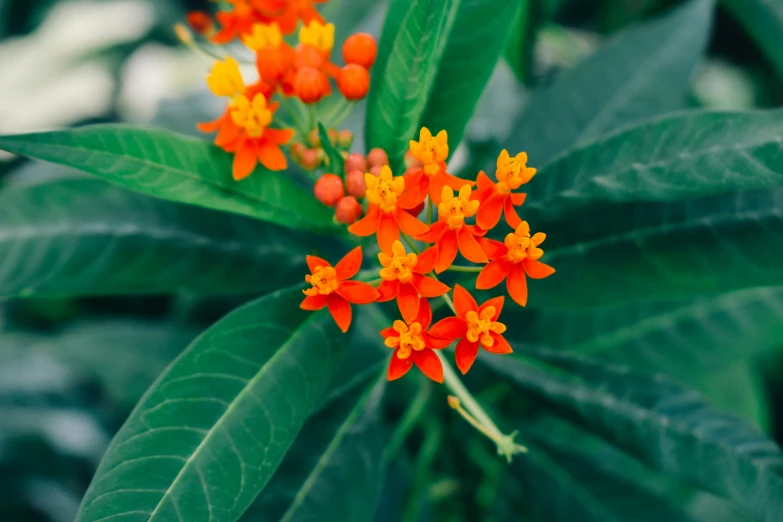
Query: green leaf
x,y
82,236
174,167
403,90
763,20
642,72
667,427
334,160
475,44
210,433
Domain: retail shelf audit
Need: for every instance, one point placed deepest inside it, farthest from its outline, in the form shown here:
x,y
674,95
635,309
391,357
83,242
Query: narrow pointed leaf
x,y
763,20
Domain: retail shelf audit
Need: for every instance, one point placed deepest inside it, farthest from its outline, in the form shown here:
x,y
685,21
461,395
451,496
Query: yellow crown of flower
x,y
384,189
225,79
431,151
513,172
264,36
254,116
320,36
455,209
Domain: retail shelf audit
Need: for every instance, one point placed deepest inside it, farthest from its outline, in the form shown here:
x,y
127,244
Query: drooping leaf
x,y
403,90
334,160
763,20
669,428
174,167
211,431
82,236
642,72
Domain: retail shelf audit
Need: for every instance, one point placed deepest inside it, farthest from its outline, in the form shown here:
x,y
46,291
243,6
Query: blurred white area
x,y
723,85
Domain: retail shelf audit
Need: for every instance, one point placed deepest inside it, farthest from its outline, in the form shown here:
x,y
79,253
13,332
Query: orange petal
x,y
398,367
368,225
426,261
313,302
416,186
512,218
470,248
229,136
483,183
314,262
517,198
436,229
350,264
388,232
387,291
429,287
244,162
490,210
210,126
463,301
389,332
436,189
500,345
424,317
493,249
408,302
465,354
357,292
537,269
429,364
340,310
492,274
449,328
447,250
434,342
453,181
497,302
272,157
516,283
279,136
409,224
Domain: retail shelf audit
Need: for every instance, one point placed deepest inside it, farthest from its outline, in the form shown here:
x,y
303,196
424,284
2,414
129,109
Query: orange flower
x,y
385,214
497,197
274,57
518,255
413,344
432,177
353,82
403,278
288,13
360,49
332,289
474,326
200,22
450,233
237,21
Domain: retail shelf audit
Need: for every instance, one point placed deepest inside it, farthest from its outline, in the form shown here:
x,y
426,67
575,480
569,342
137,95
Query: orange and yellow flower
x,y
497,198
413,344
239,20
331,287
386,213
403,278
432,152
516,257
451,234
474,326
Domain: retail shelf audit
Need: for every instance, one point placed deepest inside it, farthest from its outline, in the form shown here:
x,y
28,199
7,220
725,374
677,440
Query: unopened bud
x,y
329,189
183,34
377,157
353,82
313,139
310,159
297,149
355,184
376,170
348,210
345,139
355,161
454,402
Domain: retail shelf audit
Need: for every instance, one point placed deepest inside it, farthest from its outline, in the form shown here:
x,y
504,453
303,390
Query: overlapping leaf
x,y
763,20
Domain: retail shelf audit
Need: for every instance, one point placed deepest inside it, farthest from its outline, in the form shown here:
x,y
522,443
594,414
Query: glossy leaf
x,y
210,433
174,167
476,42
763,20
394,116
82,236
642,72
669,428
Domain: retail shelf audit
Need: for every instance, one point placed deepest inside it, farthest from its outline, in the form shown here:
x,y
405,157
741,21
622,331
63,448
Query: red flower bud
x,y
329,189
355,183
314,139
348,210
273,64
375,170
377,157
200,22
345,138
297,149
332,133
353,82
310,85
360,49
355,161
308,56
310,159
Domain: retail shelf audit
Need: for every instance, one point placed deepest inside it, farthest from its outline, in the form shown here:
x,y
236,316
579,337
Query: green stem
x,y
408,421
410,243
455,268
429,211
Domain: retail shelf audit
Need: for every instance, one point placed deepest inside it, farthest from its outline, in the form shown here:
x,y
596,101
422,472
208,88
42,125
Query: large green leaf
x,y
475,44
170,166
669,428
82,236
403,90
211,431
642,72
763,19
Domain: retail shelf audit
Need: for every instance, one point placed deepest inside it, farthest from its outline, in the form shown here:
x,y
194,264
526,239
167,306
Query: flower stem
x,y
455,268
410,243
429,211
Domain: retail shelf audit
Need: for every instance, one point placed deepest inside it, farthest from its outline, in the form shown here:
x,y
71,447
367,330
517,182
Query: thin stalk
x,y
410,418
455,268
429,211
410,243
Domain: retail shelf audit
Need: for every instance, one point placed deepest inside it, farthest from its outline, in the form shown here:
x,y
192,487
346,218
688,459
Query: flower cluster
x,y
464,218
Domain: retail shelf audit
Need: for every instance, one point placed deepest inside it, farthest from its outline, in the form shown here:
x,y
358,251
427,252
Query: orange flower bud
x,y
308,56
297,149
353,82
355,161
348,210
310,159
313,139
200,22
377,157
332,133
375,170
310,85
360,49
345,138
329,189
355,183
273,63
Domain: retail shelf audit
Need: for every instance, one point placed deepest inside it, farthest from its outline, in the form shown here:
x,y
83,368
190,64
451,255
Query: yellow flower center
x,y
252,116
512,172
521,246
384,189
264,36
455,209
225,79
398,267
431,151
480,326
320,36
409,339
323,279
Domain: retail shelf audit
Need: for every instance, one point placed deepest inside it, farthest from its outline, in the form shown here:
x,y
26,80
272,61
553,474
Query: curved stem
x,y
455,268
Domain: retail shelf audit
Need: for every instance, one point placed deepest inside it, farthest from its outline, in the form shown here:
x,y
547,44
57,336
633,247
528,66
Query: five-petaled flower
x,y
518,255
497,198
413,344
403,278
474,326
386,214
432,152
450,233
331,287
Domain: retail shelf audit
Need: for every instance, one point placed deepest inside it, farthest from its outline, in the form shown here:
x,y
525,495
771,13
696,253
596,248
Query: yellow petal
x,y
398,249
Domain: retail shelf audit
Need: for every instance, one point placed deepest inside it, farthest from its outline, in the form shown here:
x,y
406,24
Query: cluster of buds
x,y
310,155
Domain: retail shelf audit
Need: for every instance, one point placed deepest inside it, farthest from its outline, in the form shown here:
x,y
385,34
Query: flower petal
x,y
314,262
493,249
483,183
408,302
537,269
313,302
388,232
447,250
340,310
516,283
490,210
350,264
434,342
465,355
272,157
463,301
409,224
244,162
398,367
436,229
424,317
426,261
500,345
279,136
387,291
389,332
429,287
453,181
449,328
517,198
357,292
470,248
512,218
416,186
492,274
497,302
429,364
368,225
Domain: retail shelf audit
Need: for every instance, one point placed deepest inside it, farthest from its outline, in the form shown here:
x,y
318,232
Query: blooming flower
x,y
331,287
288,13
497,197
413,344
274,57
403,278
518,255
319,35
432,177
474,326
237,21
386,214
450,233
